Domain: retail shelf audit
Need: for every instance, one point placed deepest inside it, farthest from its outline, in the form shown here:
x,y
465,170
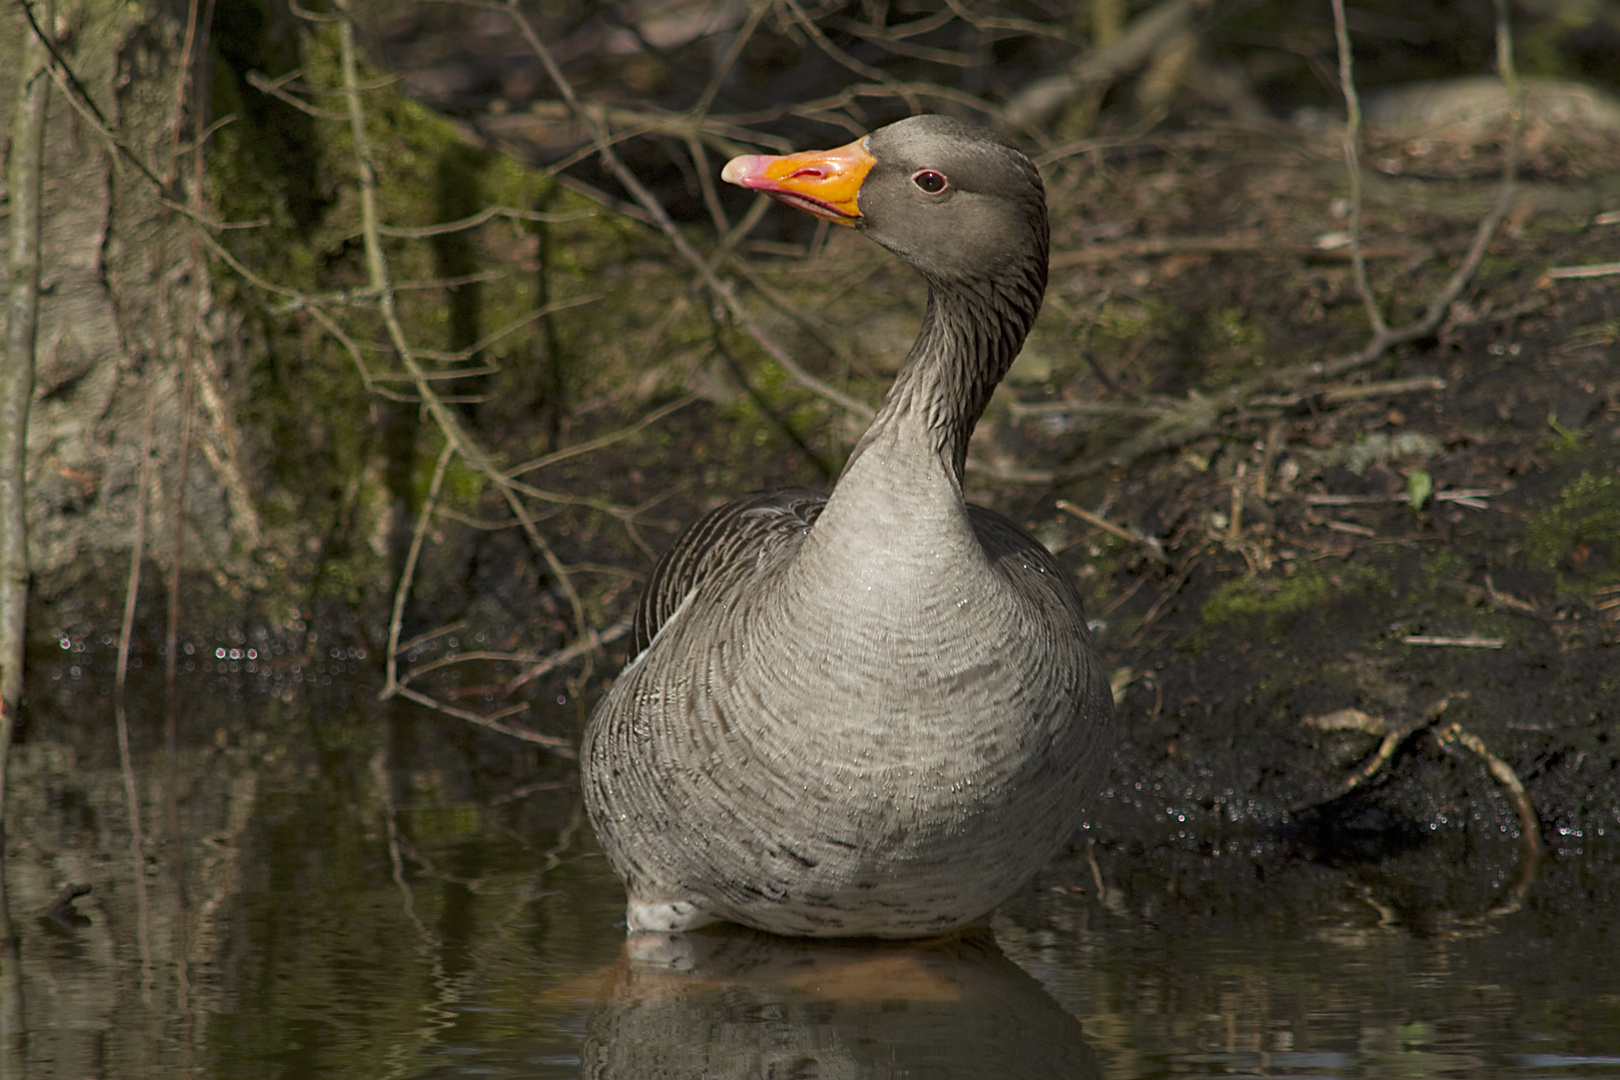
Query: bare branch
x,y
592,445
1352,165
1036,103
509,329
895,41
277,88
472,221
659,216
757,12
403,589
594,641
496,723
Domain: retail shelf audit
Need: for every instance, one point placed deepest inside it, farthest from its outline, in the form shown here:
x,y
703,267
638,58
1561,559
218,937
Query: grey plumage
x,y
876,712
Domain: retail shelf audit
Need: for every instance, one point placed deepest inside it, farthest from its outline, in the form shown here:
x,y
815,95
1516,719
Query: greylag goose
x,y
876,712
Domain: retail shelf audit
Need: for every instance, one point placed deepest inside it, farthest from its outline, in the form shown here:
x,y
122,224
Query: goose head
x,y
954,199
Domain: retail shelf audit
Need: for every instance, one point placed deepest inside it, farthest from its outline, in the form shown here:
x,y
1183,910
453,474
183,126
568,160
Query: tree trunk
x,y
120,294
24,183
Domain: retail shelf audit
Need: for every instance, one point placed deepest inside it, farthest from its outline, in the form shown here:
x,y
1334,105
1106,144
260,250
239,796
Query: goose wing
x,y
727,538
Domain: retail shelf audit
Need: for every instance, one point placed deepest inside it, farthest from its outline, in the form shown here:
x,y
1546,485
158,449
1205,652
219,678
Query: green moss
x,y
1496,268
1121,324
1127,322
349,573
1234,332
1444,565
337,457
463,485
1579,535
1277,603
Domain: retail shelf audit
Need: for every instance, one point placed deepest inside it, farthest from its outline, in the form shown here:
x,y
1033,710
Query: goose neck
x,y
971,333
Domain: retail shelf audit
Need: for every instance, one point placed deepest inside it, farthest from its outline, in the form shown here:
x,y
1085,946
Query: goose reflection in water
x,y
730,1002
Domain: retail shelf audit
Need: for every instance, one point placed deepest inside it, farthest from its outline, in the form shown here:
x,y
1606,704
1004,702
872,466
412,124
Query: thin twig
x,y
1352,165
837,55
739,41
277,88
1595,270
137,551
403,589
378,274
1235,244
472,221
1020,410
1342,395
660,217
438,632
1150,544
454,658
560,747
1169,593
177,509
1454,642
592,445
524,320
567,655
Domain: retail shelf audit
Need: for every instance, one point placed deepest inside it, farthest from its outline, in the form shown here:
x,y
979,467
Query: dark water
x,y
329,887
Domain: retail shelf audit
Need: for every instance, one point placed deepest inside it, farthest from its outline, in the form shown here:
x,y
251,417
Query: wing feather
x,y
726,539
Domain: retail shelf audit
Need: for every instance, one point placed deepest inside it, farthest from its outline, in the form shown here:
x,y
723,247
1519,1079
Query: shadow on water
x,y
371,891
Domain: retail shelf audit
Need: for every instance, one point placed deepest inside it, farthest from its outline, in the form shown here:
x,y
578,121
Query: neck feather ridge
x,y
971,333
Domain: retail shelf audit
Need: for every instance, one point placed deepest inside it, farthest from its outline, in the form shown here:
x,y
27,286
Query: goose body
x,y
877,712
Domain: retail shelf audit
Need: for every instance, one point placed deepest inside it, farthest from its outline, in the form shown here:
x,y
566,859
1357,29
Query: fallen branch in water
x,y
1451,734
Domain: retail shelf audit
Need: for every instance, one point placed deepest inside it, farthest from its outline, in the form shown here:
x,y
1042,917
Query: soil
x,y
1299,578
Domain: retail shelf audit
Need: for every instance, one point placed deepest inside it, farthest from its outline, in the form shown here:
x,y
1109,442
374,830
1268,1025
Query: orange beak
x,y
825,183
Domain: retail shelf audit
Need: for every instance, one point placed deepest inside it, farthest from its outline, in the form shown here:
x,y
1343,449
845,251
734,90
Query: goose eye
x,y
930,181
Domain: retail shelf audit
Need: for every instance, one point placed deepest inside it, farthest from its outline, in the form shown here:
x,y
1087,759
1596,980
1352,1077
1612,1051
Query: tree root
x,y
1393,739
1503,774
1500,771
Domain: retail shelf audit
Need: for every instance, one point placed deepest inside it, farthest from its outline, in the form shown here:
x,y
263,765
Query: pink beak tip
x,y
744,171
